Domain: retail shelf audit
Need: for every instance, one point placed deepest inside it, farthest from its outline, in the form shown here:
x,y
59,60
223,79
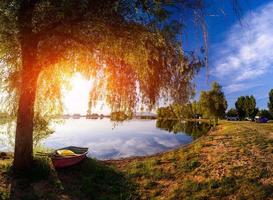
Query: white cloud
x,y
236,87
246,53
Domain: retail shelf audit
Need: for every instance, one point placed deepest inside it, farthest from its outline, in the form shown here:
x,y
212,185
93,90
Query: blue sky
x,y
240,52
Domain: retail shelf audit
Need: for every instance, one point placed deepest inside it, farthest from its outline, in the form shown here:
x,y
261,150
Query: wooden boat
x,y
61,161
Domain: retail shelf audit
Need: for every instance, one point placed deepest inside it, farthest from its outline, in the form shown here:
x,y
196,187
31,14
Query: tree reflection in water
x,y
194,129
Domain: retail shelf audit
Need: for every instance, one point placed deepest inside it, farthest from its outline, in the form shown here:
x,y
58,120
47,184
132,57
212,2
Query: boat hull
x,y
67,161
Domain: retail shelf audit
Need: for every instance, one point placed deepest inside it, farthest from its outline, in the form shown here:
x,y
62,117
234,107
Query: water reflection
x,y
7,136
194,129
8,126
108,140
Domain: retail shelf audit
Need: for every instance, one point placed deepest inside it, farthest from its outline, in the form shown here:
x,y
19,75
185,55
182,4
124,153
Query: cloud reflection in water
x,y
130,138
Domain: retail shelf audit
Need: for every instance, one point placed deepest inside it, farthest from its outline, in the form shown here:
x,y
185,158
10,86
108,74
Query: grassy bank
x,y
234,161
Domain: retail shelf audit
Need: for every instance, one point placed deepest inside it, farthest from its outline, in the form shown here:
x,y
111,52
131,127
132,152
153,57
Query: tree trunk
x,y
23,154
25,114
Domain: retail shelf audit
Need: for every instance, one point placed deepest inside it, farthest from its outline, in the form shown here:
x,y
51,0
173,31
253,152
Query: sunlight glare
x,y
76,99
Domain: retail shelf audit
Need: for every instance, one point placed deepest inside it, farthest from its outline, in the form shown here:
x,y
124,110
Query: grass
x,y
97,181
88,180
234,161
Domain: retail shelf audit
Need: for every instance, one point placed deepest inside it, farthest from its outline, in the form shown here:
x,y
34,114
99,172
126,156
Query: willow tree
x,y
129,47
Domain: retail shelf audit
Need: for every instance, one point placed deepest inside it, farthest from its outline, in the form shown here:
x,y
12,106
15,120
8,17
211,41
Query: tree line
x,y
212,104
245,107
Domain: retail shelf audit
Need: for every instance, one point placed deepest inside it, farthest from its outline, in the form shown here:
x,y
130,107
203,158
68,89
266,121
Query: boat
x,y
73,155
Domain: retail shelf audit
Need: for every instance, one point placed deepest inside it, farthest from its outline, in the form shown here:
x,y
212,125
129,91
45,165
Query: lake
x,y
109,140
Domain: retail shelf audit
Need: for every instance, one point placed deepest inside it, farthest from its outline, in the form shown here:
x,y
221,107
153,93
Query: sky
x,y
240,51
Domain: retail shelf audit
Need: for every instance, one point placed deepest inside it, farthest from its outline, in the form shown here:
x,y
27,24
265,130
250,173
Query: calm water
x,y
107,140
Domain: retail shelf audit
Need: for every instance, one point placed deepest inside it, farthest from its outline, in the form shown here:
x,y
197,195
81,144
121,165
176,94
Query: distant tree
x,y
196,108
265,113
250,107
213,102
240,107
176,111
182,111
119,116
246,107
165,112
270,103
159,112
232,112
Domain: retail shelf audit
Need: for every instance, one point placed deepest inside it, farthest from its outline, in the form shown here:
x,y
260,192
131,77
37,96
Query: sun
x,y
76,99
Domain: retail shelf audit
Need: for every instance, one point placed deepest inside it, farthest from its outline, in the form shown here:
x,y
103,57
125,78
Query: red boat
x,y
60,161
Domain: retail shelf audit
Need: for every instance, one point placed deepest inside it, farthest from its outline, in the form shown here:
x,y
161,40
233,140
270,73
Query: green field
x,y
233,161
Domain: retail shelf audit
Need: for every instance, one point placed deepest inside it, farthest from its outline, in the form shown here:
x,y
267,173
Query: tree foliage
x,y
119,116
240,107
265,113
183,111
196,108
246,107
128,47
213,102
178,111
270,102
232,113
